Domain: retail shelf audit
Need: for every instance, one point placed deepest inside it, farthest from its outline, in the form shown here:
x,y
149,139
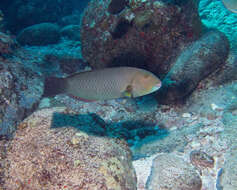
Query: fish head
x,y
145,83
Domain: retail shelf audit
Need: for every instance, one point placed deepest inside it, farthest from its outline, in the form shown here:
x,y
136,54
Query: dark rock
x,y
20,91
195,63
201,159
171,172
72,32
66,62
40,34
229,71
73,19
116,6
23,13
6,44
152,29
66,157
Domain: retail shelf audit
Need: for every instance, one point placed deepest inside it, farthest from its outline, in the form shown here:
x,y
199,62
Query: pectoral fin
x,y
128,92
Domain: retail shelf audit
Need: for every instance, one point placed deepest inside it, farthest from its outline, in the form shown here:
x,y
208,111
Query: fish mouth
x,y
156,87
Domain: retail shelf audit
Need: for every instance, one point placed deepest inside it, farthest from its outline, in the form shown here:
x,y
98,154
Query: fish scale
x,y
105,84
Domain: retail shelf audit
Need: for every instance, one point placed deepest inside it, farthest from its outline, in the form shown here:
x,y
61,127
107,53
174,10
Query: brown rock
x,y
41,157
141,33
201,159
170,172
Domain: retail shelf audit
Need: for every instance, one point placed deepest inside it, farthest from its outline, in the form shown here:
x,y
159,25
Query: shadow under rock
x,y
131,131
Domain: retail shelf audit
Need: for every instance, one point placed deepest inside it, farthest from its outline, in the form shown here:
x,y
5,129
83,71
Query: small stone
x,y
186,115
201,159
214,107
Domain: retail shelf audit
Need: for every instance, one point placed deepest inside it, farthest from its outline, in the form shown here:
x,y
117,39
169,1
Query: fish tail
x,y
54,86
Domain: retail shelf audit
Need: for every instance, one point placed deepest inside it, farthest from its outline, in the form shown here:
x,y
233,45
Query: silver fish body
x,y
109,83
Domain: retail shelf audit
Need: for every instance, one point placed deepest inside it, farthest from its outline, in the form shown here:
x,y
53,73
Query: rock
x,y
195,63
144,34
171,172
165,141
39,34
229,71
67,63
20,90
18,12
73,19
228,177
43,155
201,159
214,15
71,32
6,44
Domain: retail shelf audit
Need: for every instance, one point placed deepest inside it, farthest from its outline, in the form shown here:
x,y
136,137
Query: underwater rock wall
x,y
144,34
20,91
194,64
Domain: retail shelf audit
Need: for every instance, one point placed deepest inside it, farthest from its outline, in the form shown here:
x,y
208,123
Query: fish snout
x,y
156,87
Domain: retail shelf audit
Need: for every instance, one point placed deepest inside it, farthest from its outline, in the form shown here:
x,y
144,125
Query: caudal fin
x,y
53,86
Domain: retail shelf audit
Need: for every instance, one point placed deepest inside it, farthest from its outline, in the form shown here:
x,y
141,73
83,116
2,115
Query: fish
x,y
104,84
231,5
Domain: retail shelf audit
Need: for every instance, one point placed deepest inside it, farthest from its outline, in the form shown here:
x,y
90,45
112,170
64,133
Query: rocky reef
x,y
42,157
184,176
182,137
39,34
145,34
20,14
194,64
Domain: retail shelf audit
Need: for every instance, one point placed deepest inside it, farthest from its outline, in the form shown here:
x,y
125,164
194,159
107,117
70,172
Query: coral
x,y
153,30
116,6
20,91
214,15
44,157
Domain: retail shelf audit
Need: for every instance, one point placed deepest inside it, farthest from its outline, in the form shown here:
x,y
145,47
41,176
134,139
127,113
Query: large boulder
x,y
194,64
48,153
139,33
20,90
20,13
39,34
71,32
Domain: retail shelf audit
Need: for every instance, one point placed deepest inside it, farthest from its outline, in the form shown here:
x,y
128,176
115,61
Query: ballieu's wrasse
x,y
109,83
231,5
